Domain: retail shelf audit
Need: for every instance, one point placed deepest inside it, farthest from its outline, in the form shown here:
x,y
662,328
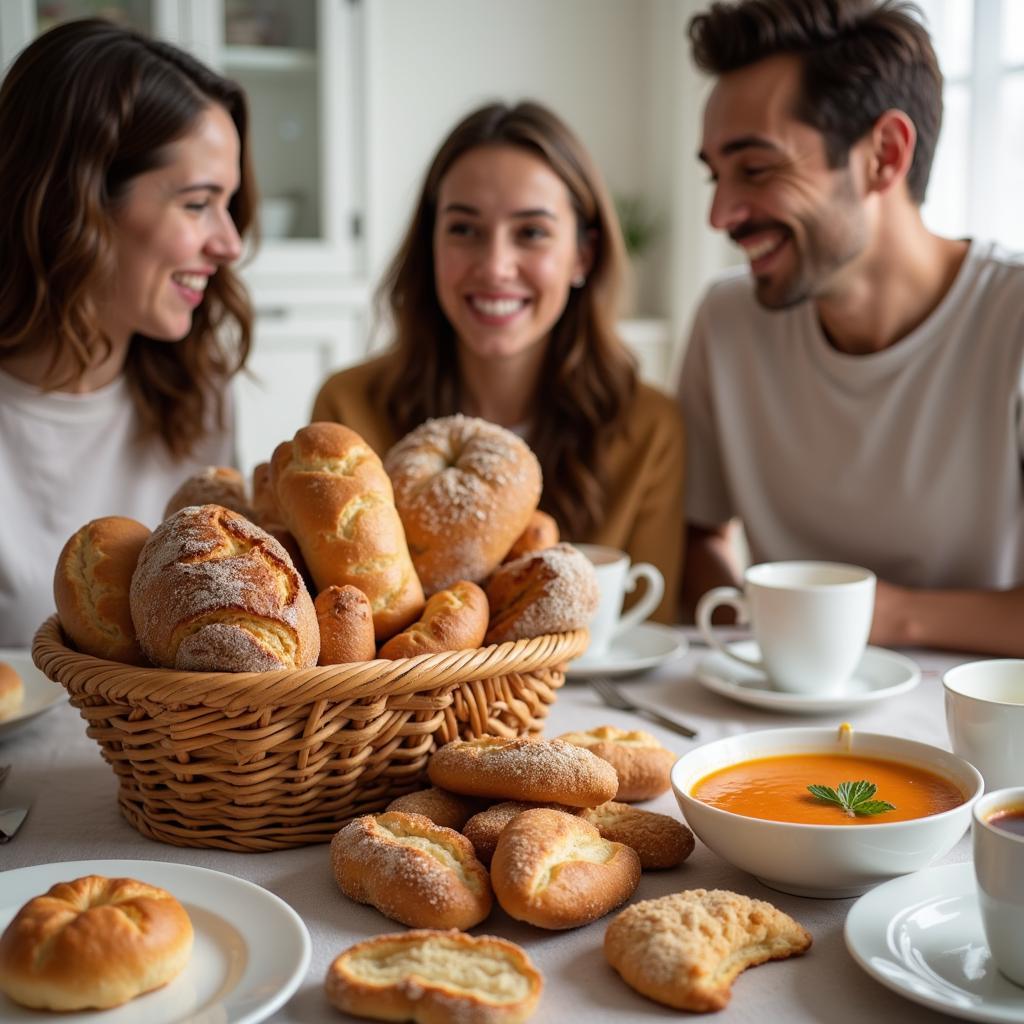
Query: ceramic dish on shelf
x,y
250,954
40,693
636,650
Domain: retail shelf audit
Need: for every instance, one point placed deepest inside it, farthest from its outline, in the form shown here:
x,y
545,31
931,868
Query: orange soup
x,y
775,788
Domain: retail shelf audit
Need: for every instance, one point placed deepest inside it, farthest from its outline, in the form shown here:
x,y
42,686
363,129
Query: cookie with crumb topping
x,y
659,840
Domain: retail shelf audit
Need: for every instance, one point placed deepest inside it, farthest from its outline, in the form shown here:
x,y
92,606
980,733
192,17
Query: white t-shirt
x,y
64,460
907,461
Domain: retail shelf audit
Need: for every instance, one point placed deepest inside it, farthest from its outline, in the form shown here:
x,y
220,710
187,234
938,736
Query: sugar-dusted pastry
x,y
484,828
659,840
642,763
685,949
443,808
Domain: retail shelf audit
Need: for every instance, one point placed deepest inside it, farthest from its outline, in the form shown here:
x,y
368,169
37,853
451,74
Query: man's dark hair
x,y
860,58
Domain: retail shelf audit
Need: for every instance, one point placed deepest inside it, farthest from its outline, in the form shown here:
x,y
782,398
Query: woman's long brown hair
x,y
83,110
588,379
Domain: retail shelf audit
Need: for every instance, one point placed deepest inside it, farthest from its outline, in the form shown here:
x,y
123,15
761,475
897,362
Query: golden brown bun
x,y
346,626
550,591
684,950
454,619
555,871
91,588
642,763
660,841
411,870
435,977
465,489
484,829
215,485
93,943
264,501
12,690
215,593
534,770
541,533
337,501
440,806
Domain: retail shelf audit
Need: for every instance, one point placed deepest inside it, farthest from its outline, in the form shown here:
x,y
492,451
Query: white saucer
x,y
921,935
638,649
40,694
879,675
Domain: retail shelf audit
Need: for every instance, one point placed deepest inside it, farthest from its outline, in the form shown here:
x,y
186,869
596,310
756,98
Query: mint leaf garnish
x,y
853,797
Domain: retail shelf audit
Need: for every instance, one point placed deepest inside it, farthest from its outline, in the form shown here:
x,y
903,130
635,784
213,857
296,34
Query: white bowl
x,y
828,861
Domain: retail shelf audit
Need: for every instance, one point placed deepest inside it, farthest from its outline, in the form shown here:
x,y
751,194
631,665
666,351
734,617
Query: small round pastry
x,y
484,829
642,763
454,619
441,807
91,587
541,533
346,626
550,591
465,490
659,840
411,870
533,770
12,690
433,976
555,871
93,943
214,485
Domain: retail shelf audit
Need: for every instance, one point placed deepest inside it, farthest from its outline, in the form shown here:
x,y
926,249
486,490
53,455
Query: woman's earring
x,y
578,281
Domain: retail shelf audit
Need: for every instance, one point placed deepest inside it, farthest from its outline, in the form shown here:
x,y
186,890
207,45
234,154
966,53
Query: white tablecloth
x,y
75,817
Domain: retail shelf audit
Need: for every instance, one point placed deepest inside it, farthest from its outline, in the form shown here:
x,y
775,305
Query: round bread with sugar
x,y
440,806
411,870
338,503
214,485
454,619
465,490
484,829
521,768
91,588
555,871
435,977
659,840
641,762
541,533
346,626
93,943
550,591
12,691
214,593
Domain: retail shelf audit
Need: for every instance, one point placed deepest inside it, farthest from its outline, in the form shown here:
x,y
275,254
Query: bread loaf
x,y
214,485
440,806
484,829
346,626
454,619
641,762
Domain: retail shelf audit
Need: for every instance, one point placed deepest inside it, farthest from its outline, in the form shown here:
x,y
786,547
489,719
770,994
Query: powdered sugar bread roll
x,y
484,829
465,490
641,762
214,485
659,840
443,808
213,592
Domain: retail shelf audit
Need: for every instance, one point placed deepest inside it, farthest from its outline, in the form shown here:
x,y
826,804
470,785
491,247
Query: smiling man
x,y
855,394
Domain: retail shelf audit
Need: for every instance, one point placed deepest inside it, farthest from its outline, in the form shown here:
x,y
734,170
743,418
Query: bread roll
x,y
484,829
465,489
641,762
454,619
91,588
541,533
214,485
435,977
93,943
338,503
212,592
659,840
264,500
555,871
440,806
346,626
12,691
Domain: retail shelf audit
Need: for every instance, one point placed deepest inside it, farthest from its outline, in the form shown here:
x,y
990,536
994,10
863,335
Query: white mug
x,y
811,621
616,578
985,718
999,870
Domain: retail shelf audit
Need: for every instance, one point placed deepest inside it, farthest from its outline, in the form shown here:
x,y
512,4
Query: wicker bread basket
x,y
270,760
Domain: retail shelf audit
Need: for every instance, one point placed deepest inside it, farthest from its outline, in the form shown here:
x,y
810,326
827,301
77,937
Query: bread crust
x,y
94,942
435,977
685,949
554,870
213,592
338,503
12,690
440,806
346,626
214,485
522,768
541,532
642,763
465,489
91,587
484,828
454,619
411,870
659,840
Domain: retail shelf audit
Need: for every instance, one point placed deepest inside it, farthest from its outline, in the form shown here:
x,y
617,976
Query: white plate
x,y
921,935
251,949
879,675
40,695
638,649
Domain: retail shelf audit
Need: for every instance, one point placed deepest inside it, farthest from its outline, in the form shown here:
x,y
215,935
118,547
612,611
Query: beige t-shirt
x,y
907,461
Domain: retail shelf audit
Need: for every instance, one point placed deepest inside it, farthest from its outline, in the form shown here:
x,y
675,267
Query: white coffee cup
x,y
616,578
811,621
999,870
985,718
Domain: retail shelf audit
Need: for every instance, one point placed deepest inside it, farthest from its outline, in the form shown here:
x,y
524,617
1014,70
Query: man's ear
x,y
891,142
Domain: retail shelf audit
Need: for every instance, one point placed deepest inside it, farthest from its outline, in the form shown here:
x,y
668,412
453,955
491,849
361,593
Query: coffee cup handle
x,y
651,599
705,609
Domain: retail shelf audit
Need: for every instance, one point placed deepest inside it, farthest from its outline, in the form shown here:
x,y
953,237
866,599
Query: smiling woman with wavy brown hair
x,y
126,174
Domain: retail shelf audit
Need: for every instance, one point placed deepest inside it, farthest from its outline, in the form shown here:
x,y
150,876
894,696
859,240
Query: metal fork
x,y
613,696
